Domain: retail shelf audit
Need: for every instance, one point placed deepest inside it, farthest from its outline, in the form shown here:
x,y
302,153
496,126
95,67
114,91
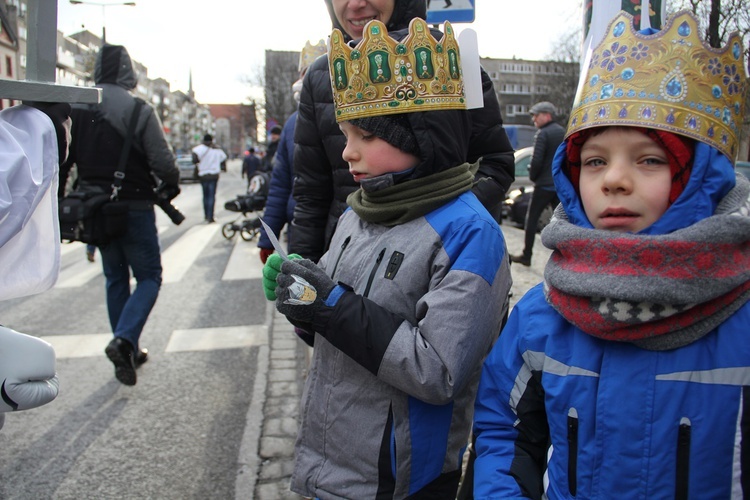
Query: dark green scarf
x,y
411,199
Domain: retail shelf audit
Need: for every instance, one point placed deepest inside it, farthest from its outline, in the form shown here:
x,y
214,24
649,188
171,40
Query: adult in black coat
x,y
322,180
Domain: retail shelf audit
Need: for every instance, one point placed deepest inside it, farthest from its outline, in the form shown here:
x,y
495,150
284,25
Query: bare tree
x,y
567,52
280,73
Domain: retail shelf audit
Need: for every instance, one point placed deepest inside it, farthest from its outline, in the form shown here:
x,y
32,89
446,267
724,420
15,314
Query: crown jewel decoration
x,y
381,76
311,52
669,81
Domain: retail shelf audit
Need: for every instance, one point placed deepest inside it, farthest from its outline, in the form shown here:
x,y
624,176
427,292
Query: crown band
x,y
381,76
669,80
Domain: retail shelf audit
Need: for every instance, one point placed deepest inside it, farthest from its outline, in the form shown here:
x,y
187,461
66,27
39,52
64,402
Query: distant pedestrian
x,y
547,139
210,159
98,135
250,165
273,145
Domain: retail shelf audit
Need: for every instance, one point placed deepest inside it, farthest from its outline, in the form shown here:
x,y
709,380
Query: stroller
x,y
254,200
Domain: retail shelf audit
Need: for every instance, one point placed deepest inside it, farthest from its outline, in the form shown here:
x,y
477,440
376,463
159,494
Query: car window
x,y
522,166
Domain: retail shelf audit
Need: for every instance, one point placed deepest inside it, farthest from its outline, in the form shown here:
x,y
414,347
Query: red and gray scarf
x,y
659,292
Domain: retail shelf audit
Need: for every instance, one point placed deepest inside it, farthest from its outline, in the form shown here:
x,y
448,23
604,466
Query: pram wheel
x,y
228,230
247,233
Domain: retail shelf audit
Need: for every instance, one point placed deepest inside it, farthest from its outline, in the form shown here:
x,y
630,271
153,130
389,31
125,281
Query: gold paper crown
x,y
381,76
669,81
309,53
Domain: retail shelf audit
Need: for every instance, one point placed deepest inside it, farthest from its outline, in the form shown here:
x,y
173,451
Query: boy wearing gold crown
x,y
625,373
412,294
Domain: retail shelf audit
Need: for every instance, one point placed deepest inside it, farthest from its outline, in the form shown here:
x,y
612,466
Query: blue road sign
x,y
455,11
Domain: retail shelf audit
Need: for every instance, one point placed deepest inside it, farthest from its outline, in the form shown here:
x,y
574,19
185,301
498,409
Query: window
x,y
8,66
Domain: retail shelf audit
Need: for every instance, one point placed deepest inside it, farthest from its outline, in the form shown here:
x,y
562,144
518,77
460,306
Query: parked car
x,y
187,168
743,167
518,197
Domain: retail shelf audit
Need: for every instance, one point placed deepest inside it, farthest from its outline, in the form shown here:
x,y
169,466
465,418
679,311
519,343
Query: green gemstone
x,y
359,95
403,71
375,30
356,54
418,101
400,48
439,48
393,104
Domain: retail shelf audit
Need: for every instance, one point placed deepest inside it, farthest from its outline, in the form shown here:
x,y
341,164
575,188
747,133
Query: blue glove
x,y
271,269
302,290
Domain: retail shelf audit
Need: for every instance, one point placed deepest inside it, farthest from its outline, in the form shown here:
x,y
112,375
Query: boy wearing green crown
x,y
412,294
626,373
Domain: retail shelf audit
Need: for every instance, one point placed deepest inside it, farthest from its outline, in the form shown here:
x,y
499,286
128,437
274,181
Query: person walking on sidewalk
x,y
547,139
209,157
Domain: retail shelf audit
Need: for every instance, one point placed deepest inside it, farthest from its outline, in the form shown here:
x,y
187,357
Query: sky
x,y
223,42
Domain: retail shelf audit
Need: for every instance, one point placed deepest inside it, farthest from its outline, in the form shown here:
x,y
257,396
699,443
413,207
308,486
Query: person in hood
x,y
98,133
403,308
321,178
625,373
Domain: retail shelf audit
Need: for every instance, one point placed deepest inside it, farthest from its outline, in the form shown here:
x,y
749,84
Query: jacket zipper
x,y
372,273
683,459
572,451
341,253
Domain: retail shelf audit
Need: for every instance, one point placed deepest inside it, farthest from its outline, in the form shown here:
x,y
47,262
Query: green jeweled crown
x,y
669,81
309,53
381,76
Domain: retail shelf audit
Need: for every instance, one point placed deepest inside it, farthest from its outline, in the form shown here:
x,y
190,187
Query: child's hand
x,y
303,289
270,271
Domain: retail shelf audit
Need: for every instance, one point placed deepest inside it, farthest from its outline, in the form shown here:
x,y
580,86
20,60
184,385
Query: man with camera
x,y
99,132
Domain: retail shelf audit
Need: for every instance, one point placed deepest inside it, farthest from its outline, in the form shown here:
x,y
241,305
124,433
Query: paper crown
x,y
309,53
669,81
381,76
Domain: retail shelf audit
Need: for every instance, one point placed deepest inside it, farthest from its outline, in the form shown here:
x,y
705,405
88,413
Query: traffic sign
x,y
455,11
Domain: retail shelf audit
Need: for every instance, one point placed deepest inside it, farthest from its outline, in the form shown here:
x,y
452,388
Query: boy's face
x,y
370,156
625,180
354,14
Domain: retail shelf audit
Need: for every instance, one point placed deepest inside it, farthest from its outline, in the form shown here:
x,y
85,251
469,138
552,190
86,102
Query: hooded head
x,y
113,65
403,12
669,92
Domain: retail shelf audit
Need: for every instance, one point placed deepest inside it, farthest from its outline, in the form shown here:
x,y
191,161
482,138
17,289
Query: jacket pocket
x,y
341,253
683,459
373,272
572,451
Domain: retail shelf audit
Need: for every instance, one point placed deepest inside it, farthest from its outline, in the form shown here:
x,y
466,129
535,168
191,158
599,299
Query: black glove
x,y
302,291
59,113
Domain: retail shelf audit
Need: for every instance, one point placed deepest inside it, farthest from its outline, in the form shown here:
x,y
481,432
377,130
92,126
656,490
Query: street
x,y
213,415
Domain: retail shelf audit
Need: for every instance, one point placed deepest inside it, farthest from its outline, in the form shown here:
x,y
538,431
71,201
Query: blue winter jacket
x,y
566,415
279,202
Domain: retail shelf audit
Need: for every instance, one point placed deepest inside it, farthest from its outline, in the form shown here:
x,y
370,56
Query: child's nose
x,y
617,178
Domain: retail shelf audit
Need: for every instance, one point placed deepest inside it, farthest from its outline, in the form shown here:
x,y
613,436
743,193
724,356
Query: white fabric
x,y
29,227
210,159
27,371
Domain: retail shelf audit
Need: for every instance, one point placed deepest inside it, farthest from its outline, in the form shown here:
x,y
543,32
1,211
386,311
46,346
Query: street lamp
x,y
104,6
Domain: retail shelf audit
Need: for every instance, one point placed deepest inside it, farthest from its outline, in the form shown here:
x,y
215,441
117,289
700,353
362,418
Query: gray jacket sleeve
x,y
158,152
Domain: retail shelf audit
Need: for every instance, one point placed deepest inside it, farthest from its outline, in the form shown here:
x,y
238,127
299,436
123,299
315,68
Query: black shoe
x,y
521,259
120,353
140,357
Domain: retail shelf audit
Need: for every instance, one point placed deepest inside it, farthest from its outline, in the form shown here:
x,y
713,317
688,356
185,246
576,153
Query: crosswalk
x,y
243,264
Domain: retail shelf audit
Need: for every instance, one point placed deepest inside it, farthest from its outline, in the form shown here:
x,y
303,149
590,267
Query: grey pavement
x,y
287,365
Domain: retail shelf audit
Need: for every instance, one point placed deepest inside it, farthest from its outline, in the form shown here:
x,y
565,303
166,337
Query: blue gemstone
x,y
594,80
602,112
727,117
716,91
623,113
737,108
646,113
670,118
627,74
684,29
606,91
619,92
585,118
674,87
619,29
710,131
709,109
736,50
631,93
692,122
641,94
699,107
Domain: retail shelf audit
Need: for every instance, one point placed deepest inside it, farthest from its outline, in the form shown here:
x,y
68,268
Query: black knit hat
x,y
393,129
